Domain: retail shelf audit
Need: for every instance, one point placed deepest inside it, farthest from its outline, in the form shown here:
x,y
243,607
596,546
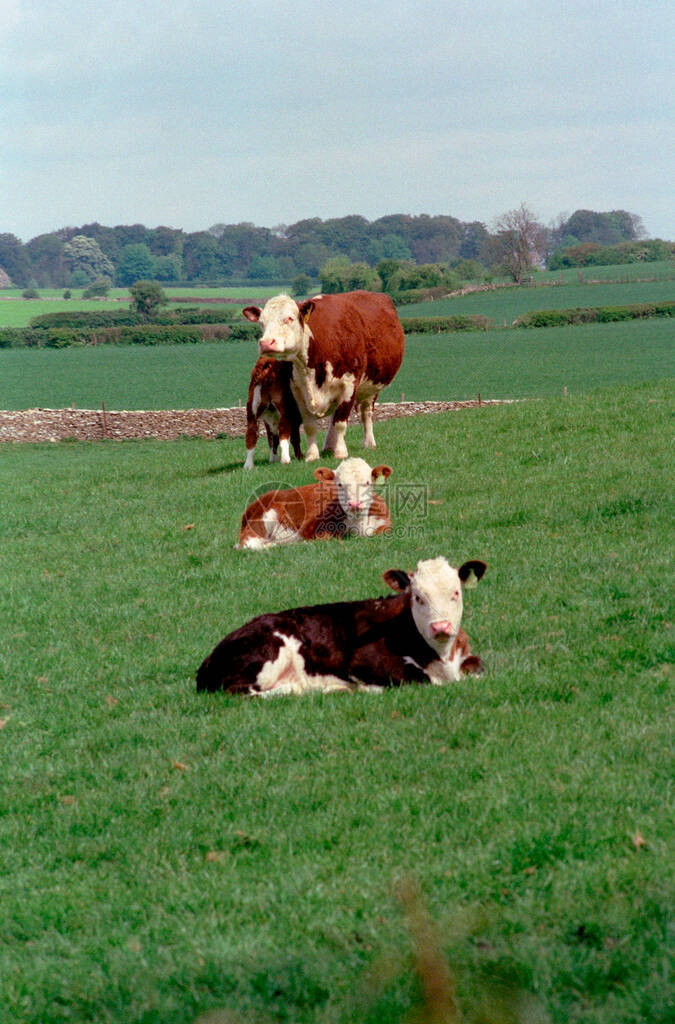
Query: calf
x,y
340,504
413,636
343,349
271,400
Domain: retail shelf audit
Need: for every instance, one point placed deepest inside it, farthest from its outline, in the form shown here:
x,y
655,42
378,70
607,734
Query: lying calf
x,y
413,636
271,400
342,503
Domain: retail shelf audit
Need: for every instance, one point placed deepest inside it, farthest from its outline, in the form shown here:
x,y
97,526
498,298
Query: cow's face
x,y
283,324
354,480
436,597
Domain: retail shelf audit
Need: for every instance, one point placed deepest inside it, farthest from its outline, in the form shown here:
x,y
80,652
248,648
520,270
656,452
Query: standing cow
x,y
271,400
344,349
413,636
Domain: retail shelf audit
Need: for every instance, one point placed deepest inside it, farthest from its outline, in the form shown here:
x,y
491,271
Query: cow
x,y
271,400
344,349
342,503
412,636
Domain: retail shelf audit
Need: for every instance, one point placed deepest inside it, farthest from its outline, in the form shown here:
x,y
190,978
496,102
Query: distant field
x,y
17,312
661,270
499,364
503,305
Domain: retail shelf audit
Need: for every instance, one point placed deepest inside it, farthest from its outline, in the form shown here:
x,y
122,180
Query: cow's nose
x,y
441,628
356,504
268,345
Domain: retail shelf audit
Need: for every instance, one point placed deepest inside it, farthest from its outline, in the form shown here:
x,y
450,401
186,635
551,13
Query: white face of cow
x,y
282,324
436,598
354,480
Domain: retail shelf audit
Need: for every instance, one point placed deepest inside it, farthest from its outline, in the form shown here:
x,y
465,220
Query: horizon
x,y
489,225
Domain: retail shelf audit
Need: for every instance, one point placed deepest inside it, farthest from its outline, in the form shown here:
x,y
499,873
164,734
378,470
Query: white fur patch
x,y
287,674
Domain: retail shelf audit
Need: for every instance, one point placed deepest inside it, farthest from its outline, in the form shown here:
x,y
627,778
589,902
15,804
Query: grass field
x,y
17,312
165,854
503,305
660,269
499,364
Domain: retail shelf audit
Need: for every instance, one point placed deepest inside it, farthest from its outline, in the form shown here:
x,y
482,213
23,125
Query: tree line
x,y
397,245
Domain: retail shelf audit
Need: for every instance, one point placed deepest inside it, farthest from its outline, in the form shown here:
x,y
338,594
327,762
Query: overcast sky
x,y
187,113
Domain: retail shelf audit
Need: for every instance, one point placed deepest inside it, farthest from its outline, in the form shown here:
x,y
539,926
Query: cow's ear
x,y
384,471
471,572
324,473
397,579
252,313
305,308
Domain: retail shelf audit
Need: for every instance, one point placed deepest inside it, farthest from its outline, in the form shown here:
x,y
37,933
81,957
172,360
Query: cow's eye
x,y
418,598
288,320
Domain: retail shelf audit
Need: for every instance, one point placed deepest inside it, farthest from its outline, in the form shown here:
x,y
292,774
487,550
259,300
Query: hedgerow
x,y
127,318
597,314
442,324
146,334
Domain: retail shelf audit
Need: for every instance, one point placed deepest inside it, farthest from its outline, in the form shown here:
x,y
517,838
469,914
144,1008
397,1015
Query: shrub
x,y
30,293
147,297
443,324
599,314
97,289
67,294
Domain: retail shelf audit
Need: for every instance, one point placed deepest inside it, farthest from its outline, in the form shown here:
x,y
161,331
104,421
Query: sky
x,y
188,114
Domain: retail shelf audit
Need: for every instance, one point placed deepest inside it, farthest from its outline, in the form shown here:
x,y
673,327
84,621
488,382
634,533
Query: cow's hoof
x,y
312,454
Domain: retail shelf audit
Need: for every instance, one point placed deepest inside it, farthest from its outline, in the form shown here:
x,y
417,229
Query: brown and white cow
x,y
344,349
271,400
413,636
341,504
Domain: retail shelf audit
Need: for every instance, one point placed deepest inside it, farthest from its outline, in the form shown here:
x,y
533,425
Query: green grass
x,y
503,305
259,877
499,364
17,312
662,270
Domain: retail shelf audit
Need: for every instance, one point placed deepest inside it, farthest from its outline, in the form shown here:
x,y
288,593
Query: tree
x,y
97,289
85,261
134,263
339,275
301,285
147,297
520,242
168,268
13,260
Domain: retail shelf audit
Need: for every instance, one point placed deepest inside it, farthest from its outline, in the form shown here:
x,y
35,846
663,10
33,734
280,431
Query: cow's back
x,y
356,332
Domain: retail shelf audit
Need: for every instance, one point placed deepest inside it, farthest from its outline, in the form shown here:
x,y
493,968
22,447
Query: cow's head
x,y
436,597
354,480
283,324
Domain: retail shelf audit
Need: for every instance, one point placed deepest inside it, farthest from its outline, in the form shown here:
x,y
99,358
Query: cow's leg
x,y
273,442
284,445
251,439
329,440
295,441
285,431
311,429
340,418
339,448
367,421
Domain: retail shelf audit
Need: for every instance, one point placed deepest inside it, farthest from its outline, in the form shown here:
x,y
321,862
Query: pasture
x,y
503,305
498,364
167,854
18,312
